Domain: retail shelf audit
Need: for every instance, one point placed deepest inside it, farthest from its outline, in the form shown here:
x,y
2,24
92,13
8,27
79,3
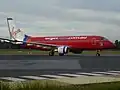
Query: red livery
x,y
60,44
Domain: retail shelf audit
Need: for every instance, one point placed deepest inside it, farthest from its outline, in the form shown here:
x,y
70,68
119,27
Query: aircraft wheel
x,y
61,54
98,54
51,53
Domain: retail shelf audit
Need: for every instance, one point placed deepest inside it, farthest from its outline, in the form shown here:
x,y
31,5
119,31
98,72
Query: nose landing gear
x,y
98,53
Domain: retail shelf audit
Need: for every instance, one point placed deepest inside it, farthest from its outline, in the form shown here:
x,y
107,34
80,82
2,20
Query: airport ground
x,y
79,70
19,65
39,52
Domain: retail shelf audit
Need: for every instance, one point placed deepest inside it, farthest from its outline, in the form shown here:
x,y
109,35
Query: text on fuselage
x,y
63,38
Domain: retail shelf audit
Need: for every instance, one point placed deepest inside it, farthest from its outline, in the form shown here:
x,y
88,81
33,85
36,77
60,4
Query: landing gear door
x,y
93,41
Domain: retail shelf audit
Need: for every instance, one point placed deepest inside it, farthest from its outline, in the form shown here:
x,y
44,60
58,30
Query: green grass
x,y
54,85
22,52
38,52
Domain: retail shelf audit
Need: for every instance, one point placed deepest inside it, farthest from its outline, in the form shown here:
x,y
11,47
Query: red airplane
x,y
60,44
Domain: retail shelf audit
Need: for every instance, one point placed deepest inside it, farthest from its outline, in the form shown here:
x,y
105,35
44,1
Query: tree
x,y
117,43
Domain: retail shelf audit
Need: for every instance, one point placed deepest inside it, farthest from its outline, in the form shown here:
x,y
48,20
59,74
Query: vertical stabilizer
x,y
15,34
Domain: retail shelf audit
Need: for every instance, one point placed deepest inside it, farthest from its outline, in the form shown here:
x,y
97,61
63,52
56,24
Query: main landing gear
x,y
98,53
51,53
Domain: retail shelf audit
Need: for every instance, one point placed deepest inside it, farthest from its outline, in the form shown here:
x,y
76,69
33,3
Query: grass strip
x,y
39,52
54,85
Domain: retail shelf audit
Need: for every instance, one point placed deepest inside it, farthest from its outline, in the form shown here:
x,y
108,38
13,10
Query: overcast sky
x,y
63,17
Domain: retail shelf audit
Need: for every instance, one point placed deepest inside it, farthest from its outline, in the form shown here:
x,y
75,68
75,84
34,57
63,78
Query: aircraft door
x,y
101,43
93,41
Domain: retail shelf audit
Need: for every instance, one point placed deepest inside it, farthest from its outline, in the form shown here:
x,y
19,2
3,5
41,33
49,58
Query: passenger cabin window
x,y
103,38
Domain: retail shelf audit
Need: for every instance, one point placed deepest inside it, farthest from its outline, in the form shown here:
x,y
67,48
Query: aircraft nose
x,y
111,45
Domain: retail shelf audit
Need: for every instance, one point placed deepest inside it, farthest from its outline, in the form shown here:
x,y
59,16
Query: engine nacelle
x,y
63,49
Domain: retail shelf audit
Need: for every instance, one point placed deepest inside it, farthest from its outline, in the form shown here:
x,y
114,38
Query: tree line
x,y
117,43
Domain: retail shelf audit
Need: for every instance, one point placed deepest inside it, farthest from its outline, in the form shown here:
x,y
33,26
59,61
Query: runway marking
x,y
89,74
53,76
33,77
12,79
107,73
70,75
114,71
60,75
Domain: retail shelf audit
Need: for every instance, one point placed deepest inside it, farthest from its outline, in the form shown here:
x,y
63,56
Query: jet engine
x,y
62,49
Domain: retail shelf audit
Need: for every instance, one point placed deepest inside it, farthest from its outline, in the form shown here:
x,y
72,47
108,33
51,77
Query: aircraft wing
x,y
6,40
32,43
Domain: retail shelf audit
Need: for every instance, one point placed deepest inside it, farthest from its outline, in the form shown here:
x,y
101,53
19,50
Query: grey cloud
x,y
60,14
2,25
56,9
26,6
111,5
43,5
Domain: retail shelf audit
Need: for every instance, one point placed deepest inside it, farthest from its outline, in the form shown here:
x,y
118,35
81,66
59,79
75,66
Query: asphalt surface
x,y
76,68
17,65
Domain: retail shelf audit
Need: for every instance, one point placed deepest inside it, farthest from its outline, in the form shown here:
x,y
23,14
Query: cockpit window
x,y
103,38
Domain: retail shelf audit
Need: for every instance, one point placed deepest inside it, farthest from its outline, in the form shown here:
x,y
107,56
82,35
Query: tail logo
x,y
14,33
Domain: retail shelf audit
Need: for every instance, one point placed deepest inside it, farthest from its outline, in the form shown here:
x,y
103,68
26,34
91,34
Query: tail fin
x,y
15,34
